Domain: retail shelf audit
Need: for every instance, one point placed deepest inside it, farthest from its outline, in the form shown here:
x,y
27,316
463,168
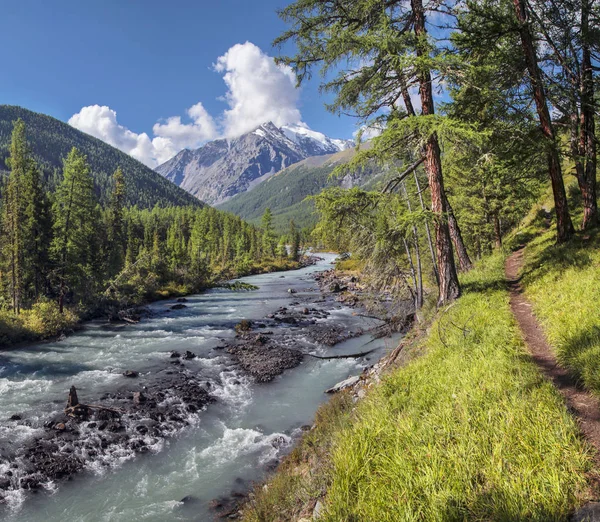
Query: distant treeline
x,y
66,250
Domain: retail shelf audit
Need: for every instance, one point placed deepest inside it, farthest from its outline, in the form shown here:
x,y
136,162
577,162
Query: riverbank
x,y
468,429
44,322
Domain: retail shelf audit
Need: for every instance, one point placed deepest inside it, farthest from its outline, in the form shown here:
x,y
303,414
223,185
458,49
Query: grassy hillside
x,y
51,140
468,431
285,193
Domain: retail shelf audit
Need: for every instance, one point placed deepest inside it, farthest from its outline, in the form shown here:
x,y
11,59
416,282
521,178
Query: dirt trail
x,y
582,404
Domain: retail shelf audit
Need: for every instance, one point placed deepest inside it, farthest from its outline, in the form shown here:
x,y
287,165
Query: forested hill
x,y
51,140
285,193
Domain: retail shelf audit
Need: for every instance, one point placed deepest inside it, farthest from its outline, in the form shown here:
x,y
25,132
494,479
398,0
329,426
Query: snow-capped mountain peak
x,y
222,168
304,136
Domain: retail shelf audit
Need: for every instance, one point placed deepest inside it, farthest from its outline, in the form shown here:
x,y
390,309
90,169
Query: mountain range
x,y
286,192
50,140
223,168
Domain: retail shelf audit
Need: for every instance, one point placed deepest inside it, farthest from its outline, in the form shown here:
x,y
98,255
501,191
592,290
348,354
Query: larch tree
x,y
269,238
384,46
564,225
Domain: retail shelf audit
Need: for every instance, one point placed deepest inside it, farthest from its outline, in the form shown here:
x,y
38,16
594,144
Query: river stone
x,y
178,306
350,381
130,373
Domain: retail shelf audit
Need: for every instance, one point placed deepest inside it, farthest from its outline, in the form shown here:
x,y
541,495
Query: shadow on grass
x,y
574,253
484,286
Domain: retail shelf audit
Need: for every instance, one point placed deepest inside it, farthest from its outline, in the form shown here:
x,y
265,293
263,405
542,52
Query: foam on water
x,y
240,441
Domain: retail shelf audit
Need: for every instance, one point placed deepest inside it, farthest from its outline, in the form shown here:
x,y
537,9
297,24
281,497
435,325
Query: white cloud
x,y
184,135
170,137
368,132
259,90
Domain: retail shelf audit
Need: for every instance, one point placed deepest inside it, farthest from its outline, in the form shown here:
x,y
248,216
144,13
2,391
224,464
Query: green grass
x,y
302,477
468,431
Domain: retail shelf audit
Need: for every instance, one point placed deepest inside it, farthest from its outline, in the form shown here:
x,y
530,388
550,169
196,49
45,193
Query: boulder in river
x,y
178,306
130,373
189,355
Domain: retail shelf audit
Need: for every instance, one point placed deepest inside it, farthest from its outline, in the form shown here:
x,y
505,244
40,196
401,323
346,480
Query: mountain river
x,y
217,450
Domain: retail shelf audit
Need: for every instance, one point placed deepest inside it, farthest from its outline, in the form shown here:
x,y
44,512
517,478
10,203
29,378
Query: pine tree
x,y
269,239
116,230
387,49
13,216
74,214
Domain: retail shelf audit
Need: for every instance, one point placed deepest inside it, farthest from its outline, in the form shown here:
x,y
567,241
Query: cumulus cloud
x,y
170,137
258,90
182,135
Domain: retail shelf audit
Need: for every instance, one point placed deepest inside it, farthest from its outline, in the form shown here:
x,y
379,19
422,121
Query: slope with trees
x,y
50,140
454,431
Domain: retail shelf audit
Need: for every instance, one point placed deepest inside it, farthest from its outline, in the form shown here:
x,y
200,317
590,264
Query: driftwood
x,y
348,356
74,407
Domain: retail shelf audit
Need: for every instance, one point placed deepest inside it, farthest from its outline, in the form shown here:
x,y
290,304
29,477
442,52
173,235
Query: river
x,y
220,449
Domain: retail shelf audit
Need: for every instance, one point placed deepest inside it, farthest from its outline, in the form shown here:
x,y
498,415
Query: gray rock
x,y
588,513
318,511
347,383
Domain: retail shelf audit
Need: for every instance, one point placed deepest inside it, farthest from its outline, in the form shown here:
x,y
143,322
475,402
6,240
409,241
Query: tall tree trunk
x,y
410,109
497,230
419,281
449,287
427,231
564,225
587,183
414,290
464,261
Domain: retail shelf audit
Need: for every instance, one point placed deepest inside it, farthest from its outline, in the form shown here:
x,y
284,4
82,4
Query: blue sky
x,y
143,62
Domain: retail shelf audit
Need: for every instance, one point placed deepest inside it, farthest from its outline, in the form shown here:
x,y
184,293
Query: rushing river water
x,y
222,448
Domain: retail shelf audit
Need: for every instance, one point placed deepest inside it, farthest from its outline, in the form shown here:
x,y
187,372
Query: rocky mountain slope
x,y
285,193
223,168
51,140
